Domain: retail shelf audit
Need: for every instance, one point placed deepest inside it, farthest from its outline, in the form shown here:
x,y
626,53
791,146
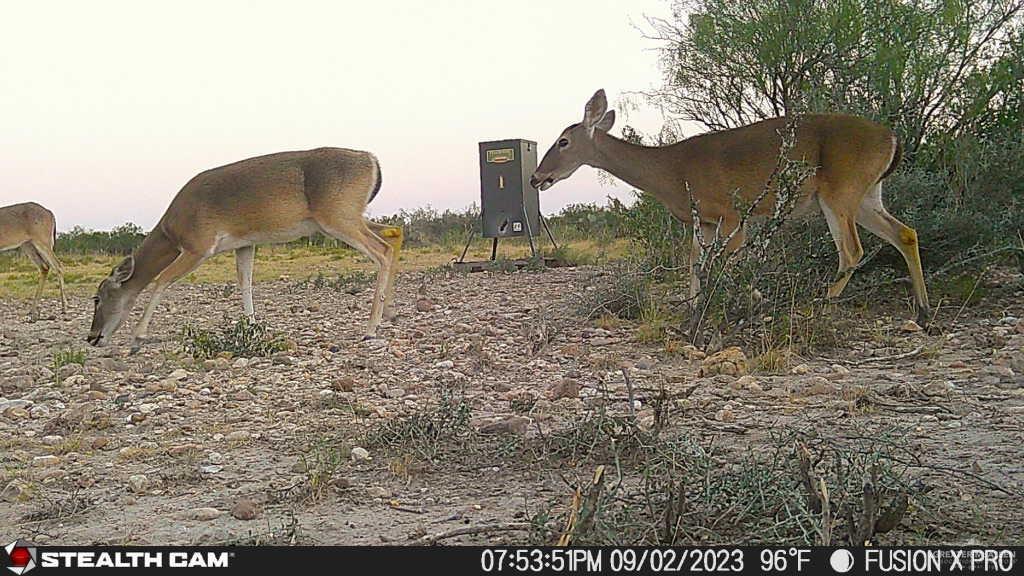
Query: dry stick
x,y
969,296
408,509
629,390
722,426
873,359
570,524
583,510
957,472
591,504
826,515
469,530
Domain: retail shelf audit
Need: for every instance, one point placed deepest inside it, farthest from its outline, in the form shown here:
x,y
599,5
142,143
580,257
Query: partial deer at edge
x,y
33,229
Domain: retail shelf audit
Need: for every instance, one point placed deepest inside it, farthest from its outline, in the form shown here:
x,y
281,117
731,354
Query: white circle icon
x,y
841,560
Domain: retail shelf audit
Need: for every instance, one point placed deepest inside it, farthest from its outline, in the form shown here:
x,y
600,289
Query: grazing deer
x,y
33,229
851,156
267,199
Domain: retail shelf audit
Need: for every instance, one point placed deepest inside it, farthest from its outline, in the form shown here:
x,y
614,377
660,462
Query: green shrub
x,y
62,358
624,290
121,240
427,433
244,338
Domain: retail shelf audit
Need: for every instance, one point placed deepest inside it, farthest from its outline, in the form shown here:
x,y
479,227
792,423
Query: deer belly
x,y
275,236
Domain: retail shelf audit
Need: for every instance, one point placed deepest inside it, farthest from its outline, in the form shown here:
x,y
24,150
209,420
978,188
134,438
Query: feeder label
x,y
501,156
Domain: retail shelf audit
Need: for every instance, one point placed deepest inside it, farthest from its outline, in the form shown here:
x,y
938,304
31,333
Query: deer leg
x,y
182,265
844,233
46,253
244,260
394,237
712,232
360,236
29,250
879,222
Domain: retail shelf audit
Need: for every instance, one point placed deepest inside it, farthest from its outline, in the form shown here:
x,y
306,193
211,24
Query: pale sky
x,y
108,108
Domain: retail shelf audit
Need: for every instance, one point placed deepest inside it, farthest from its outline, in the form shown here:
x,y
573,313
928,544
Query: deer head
x,y
111,303
575,146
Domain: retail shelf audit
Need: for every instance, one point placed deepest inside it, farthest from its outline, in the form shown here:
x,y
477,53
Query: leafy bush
x,y
62,358
934,70
668,489
121,240
244,338
658,238
428,433
623,291
588,221
956,221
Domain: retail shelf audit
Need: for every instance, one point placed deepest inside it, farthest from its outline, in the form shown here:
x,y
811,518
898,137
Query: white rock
x,y
839,371
45,461
205,514
937,388
910,326
378,492
138,483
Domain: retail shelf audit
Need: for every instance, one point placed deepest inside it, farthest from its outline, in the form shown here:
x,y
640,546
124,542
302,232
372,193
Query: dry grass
x,y
82,273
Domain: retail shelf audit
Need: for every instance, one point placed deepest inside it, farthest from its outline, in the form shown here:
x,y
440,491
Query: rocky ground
x,y
157,449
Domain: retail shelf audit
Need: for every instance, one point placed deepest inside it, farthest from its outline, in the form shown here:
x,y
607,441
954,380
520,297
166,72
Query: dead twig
x,y
584,509
874,359
470,530
400,508
629,391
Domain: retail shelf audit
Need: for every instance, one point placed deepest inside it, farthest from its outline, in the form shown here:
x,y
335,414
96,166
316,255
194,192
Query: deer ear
x,y
605,124
595,109
124,270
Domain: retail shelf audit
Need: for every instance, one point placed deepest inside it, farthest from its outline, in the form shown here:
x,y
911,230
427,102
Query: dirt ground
x,y
155,449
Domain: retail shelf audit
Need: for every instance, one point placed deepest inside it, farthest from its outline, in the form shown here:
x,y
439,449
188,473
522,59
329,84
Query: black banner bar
x,y
24,558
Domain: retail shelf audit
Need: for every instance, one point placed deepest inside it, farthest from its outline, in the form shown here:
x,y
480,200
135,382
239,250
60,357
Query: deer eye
x,y
563,143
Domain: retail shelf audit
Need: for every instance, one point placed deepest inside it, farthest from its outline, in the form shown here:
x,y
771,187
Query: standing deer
x,y
268,199
33,229
851,155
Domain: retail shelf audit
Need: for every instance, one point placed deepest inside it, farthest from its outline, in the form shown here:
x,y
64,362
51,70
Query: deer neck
x,y
631,163
151,258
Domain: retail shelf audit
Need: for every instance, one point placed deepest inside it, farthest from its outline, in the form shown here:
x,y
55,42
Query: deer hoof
x,y
137,343
924,318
